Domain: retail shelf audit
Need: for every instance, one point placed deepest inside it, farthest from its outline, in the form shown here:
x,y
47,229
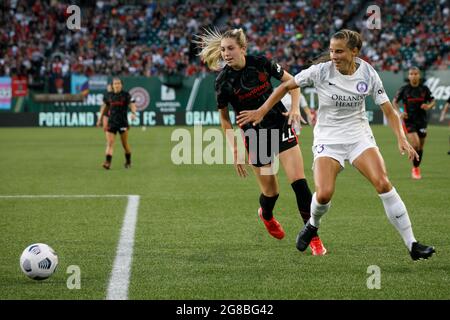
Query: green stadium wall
x,y
183,101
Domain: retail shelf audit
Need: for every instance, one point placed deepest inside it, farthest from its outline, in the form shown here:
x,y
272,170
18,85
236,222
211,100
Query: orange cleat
x,y
273,226
415,173
317,248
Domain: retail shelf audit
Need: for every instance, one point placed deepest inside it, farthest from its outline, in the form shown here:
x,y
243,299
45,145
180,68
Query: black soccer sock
x,y
128,157
304,196
416,163
267,205
108,158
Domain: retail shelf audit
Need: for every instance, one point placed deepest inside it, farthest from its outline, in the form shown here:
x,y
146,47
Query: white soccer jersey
x,y
341,117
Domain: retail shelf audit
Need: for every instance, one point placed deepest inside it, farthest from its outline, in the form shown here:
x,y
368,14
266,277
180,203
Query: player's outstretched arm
x,y
395,124
256,116
227,127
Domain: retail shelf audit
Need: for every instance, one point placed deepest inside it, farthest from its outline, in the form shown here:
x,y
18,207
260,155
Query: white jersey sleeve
x,y
378,93
307,77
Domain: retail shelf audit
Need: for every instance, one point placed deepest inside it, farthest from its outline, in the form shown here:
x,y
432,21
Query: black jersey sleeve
x,y
428,95
274,69
399,96
223,88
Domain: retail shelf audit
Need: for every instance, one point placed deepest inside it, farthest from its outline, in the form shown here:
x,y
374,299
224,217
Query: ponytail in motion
x,y
209,43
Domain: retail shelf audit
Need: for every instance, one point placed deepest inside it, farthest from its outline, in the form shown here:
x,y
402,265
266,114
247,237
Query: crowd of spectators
x,y
155,37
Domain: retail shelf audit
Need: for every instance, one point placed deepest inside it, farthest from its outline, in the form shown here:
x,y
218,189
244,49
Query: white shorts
x,y
346,151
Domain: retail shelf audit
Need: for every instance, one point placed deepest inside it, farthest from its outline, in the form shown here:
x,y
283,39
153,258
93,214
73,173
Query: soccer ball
x,y
38,261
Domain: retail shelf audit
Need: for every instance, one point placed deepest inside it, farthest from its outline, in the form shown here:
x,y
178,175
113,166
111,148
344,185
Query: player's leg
x,y
371,164
422,134
414,140
126,148
110,138
292,162
268,185
326,170
105,127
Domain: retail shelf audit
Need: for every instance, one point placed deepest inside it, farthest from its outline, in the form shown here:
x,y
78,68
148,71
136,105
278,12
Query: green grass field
x,y
197,234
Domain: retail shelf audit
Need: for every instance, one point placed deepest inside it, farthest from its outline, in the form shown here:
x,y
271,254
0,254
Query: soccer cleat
x,y
127,165
273,226
305,236
415,173
420,251
317,248
106,165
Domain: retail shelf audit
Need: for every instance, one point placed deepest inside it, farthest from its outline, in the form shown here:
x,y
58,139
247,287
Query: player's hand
x,y
424,106
403,115
239,164
442,117
249,116
405,147
99,122
240,170
294,117
133,116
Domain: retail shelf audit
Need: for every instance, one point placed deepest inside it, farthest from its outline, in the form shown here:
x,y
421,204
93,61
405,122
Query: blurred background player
x,y
244,82
442,117
287,102
342,132
417,99
103,120
117,103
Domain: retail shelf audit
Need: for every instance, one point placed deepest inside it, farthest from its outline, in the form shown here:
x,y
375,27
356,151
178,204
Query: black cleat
x,y
106,165
127,165
305,236
420,251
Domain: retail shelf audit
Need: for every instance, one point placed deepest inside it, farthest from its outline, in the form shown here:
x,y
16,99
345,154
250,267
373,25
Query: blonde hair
x,y
209,43
353,39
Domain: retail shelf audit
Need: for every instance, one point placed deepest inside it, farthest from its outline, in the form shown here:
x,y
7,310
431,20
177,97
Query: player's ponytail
x,y
209,43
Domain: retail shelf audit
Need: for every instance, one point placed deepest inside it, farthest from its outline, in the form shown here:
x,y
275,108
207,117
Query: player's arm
x,y
227,127
256,116
428,106
103,109
444,111
396,126
132,107
395,101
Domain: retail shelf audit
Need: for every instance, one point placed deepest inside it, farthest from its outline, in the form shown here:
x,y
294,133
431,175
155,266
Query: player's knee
x,y
324,195
382,184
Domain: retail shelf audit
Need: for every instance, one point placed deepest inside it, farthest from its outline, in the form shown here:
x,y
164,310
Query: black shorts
x,y
264,144
118,128
416,126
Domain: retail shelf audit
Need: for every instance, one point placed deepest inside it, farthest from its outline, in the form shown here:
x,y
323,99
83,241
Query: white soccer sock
x,y
398,216
317,211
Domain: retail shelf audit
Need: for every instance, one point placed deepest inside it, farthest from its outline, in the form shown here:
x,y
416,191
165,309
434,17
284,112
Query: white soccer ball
x,y
38,261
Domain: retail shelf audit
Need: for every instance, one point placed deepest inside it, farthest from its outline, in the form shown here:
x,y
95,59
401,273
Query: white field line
x,y
24,196
120,275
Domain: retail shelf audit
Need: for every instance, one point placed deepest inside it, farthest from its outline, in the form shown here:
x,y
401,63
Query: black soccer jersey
x,y
413,98
249,87
118,108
